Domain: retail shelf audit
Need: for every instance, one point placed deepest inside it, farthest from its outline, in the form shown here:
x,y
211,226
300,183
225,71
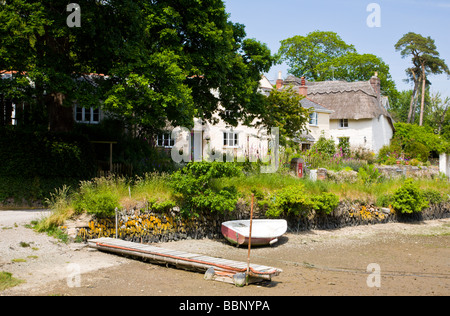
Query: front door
x,y
196,145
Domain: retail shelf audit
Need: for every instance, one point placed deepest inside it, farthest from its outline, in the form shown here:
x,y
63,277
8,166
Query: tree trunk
x,y
60,118
422,103
413,117
412,105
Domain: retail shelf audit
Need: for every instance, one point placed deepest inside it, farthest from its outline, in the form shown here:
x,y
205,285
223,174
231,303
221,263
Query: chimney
x,y
279,84
303,89
376,84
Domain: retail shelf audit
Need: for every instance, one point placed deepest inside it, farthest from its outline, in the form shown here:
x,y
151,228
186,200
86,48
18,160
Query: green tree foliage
x,y
284,110
160,60
305,54
425,61
408,134
412,141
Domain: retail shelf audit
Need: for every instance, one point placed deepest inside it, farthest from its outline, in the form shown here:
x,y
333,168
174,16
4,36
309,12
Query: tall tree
x,y
413,74
283,109
155,61
425,60
305,53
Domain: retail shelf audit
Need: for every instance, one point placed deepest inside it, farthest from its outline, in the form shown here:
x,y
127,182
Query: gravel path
x,y
39,259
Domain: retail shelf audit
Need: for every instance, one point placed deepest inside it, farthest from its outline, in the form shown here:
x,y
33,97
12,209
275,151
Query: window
x,y
313,118
87,115
343,123
165,140
231,139
306,147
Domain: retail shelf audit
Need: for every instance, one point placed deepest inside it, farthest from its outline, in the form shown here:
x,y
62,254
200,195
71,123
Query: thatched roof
x,y
348,100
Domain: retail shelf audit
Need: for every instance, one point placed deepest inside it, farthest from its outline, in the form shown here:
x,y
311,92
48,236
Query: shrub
x,y
36,163
369,174
325,203
362,153
417,150
409,198
194,186
291,200
409,135
324,146
433,196
412,141
414,162
161,207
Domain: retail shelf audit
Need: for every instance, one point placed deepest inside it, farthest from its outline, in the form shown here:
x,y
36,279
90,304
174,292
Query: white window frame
x,y
84,111
313,119
343,123
230,139
165,140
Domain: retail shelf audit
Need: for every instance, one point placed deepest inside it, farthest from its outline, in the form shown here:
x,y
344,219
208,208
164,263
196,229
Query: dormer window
x,y
313,119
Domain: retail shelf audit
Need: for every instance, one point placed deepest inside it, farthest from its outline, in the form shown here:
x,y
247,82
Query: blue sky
x,y
271,21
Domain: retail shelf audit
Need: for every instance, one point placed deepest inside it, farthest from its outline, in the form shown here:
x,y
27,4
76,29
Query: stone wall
x,y
355,214
148,227
389,172
409,171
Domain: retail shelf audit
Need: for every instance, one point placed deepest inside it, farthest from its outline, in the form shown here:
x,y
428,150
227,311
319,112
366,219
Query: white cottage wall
x,y
382,133
358,131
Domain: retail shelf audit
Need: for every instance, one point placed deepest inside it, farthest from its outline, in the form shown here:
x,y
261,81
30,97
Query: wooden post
x,y
110,157
117,232
249,240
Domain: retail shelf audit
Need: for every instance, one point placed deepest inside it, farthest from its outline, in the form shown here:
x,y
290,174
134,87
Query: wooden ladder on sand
x,y
217,269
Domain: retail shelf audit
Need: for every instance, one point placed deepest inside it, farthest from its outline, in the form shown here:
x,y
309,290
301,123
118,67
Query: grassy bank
x,y
203,187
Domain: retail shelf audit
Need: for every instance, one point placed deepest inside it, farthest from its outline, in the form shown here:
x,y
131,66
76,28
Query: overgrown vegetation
x,y
412,144
325,153
202,187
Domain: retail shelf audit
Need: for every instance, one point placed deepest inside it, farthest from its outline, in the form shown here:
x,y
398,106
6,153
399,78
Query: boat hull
x,y
264,232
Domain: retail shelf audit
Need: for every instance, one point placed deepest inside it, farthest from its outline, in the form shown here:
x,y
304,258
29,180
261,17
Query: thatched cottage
x,y
356,110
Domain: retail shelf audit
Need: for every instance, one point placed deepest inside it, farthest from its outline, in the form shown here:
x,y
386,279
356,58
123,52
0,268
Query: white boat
x,y
264,231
